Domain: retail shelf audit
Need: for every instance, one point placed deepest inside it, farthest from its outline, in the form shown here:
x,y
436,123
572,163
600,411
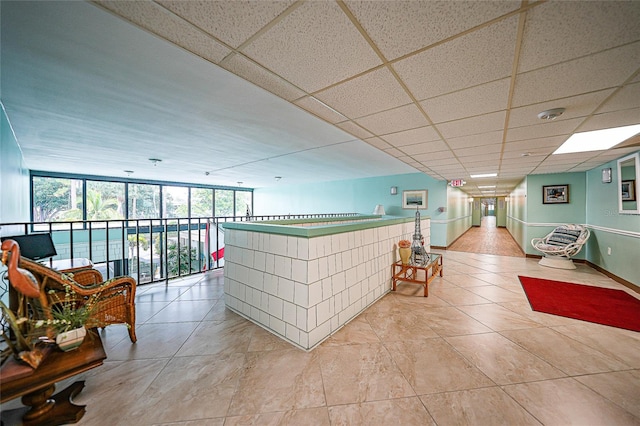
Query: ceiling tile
x,y
473,125
321,110
587,74
378,143
482,99
394,120
355,130
478,152
478,57
232,22
413,136
157,20
425,147
626,98
259,76
612,119
434,156
400,27
313,47
488,138
576,106
370,93
559,31
544,129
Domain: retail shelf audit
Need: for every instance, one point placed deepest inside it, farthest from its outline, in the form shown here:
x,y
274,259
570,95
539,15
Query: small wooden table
x,y
417,274
36,386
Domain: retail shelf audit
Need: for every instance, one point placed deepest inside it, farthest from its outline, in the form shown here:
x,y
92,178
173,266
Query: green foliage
x,y
172,259
97,208
51,196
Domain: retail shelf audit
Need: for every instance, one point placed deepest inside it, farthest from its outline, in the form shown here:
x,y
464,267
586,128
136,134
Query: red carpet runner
x,y
600,305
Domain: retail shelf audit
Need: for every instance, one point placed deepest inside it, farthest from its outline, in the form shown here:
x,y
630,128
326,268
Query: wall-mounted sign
x,y
457,183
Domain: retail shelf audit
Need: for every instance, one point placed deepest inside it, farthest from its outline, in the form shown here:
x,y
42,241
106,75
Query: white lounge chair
x,y
560,245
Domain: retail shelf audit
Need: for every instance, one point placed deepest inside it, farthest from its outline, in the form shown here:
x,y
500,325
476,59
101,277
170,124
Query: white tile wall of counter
x,y
305,289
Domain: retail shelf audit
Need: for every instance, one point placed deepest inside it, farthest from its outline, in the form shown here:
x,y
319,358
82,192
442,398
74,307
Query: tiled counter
x,y
303,280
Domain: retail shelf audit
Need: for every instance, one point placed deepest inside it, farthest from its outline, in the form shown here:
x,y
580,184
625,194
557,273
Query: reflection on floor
x,y
487,239
473,352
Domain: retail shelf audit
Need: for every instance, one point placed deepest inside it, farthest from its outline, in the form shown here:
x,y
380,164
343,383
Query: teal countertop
x,y
304,228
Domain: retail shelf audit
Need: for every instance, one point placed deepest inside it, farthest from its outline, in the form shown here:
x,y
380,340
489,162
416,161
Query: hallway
x,y
487,239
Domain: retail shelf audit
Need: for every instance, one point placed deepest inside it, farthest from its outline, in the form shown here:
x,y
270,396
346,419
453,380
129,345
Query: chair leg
x,y
132,333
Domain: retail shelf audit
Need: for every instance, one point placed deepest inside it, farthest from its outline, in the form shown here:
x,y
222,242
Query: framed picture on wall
x,y
628,190
555,194
414,199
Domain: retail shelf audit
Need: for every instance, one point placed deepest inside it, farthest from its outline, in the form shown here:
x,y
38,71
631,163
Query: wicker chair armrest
x,y
107,287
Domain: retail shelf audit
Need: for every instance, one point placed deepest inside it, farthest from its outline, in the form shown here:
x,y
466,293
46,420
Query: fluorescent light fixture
x,y
484,175
597,140
486,186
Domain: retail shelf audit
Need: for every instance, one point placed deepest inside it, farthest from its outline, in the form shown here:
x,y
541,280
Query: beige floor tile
x,y
433,365
262,340
464,280
399,326
182,311
614,342
523,308
303,417
399,411
370,371
112,391
357,331
498,294
281,380
487,406
498,318
228,337
154,341
502,360
568,402
190,388
449,321
360,373
459,296
620,387
567,355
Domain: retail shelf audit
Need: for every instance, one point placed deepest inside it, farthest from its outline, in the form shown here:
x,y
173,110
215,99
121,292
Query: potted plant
x,y
70,313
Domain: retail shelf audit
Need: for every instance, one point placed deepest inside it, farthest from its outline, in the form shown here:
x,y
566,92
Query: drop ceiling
x,y
243,91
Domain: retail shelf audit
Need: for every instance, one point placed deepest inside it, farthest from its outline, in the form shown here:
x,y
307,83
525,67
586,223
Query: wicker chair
x,y
560,245
116,303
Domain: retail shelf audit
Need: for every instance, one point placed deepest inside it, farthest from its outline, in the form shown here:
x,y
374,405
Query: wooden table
x,y
417,274
36,386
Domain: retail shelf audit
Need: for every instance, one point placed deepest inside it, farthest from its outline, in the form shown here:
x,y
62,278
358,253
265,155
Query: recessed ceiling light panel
x,y
484,175
597,140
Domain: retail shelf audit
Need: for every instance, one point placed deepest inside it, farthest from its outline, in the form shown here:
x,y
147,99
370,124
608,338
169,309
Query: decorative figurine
x,y
419,256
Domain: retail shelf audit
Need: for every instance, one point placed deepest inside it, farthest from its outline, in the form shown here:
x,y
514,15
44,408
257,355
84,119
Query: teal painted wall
x,y
14,178
458,214
517,213
543,218
609,228
357,196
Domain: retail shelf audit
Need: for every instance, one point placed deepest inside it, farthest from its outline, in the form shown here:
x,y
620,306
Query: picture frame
x,y
416,198
628,190
555,194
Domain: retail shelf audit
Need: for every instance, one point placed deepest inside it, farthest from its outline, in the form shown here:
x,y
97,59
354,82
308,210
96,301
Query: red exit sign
x,y
457,182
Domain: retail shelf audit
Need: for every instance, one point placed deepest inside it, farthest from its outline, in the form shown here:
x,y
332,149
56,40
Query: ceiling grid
x,y
446,88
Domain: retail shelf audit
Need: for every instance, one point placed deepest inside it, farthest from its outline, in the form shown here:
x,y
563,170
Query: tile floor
x,y
473,353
